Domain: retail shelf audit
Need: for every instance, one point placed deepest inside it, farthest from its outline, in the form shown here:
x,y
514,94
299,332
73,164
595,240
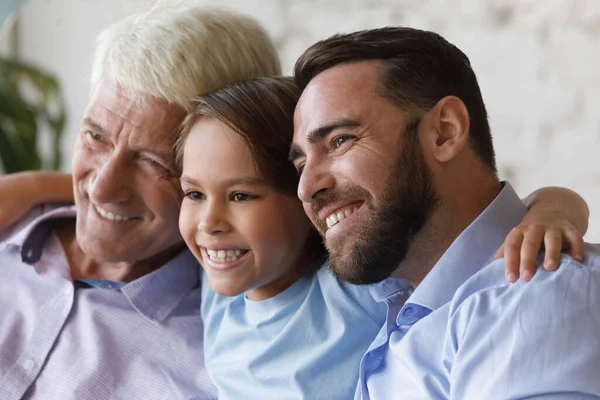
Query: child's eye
x,y
242,197
194,195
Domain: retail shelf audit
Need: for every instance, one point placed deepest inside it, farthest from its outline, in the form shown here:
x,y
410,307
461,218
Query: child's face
x,y
247,236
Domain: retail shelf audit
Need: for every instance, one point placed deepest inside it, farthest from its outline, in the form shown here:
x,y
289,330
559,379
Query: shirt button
x,y
28,364
408,311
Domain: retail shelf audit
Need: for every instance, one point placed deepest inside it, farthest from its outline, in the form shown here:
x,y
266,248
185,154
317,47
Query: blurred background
x,y
537,62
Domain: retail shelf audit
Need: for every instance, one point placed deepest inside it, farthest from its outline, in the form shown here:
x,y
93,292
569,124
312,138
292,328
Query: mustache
x,y
321,200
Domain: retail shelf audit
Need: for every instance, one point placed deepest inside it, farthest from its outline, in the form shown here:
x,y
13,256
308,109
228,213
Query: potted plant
x,y
28,97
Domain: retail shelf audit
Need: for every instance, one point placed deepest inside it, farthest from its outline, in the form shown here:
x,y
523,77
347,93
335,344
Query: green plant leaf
x,y
28,94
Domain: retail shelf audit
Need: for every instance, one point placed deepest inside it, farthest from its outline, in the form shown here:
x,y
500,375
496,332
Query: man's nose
x,y
112,182
314,179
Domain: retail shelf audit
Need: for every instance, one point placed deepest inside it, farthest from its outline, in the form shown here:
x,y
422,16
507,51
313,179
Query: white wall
x,y
537,62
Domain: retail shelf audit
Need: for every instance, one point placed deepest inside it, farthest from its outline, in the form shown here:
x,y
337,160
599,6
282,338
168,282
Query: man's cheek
x,y
312,217
171,190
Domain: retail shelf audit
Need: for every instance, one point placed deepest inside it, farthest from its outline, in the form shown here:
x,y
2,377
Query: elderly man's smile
x,y
112,216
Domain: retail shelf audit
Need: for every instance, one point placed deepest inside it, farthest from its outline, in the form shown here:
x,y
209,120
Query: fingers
x,y
574,241
553,245
523,245
512,253
530,248
555,241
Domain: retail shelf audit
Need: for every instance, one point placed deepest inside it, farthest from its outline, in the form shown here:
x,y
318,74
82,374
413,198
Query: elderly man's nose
x,y
111,184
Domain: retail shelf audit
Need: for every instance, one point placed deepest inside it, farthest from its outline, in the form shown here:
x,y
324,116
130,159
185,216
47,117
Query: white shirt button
x,y
28,364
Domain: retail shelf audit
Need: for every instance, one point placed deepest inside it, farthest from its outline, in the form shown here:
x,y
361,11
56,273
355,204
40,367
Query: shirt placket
x,y
50,321
374,357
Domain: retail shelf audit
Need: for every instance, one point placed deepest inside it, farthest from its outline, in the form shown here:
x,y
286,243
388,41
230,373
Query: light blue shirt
x,y
304,343
466,333
141,340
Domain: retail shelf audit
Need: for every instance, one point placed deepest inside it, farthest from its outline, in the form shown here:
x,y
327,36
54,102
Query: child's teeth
x,y
224,255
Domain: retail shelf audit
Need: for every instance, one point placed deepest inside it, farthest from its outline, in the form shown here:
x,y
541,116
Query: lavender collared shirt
x,y
140,341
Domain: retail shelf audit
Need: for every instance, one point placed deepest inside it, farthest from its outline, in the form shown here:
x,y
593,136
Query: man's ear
x,y
450,122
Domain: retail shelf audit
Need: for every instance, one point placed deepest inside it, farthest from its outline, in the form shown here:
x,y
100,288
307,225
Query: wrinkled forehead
x,y
110,105
346,91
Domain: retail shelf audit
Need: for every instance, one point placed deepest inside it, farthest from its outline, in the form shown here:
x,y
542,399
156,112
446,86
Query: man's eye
x,y
340,140
93,136
299,169
154,163
242,197
157,166
194,195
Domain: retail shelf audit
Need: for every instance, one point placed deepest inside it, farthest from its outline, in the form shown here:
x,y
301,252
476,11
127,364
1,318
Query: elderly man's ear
x,y
447,128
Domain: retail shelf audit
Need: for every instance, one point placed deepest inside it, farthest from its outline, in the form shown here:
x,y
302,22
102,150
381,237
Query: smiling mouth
x,y
107,215
341,214
225,256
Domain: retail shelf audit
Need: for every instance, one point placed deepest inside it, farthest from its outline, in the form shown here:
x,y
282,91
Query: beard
x,y
382,244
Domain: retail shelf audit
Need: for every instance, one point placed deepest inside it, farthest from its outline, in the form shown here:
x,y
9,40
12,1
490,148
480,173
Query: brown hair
x,y
261,111
419,69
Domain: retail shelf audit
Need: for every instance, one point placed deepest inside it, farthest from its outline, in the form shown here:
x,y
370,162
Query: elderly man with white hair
x,y
101,300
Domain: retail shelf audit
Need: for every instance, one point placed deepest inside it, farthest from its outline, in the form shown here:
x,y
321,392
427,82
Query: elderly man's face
x,y
364,182
126,187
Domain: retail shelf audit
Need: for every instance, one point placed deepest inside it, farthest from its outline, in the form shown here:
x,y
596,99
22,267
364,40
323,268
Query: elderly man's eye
x,y
154,163
93,136
157,166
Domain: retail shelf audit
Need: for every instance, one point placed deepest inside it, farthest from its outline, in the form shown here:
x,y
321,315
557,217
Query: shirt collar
x,y
471,250
158,293
32,238
154,295
389,287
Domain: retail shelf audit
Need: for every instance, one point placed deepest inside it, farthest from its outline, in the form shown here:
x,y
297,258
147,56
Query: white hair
x,y
176,51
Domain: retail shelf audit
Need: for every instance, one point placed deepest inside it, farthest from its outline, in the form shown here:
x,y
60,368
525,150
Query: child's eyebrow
x,y
251,180
187,179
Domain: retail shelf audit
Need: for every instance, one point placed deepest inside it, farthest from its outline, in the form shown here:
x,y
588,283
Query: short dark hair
x,y
419,69
261,111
